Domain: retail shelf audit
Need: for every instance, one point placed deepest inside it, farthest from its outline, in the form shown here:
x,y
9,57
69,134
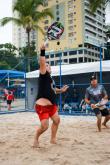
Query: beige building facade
x,y
83,35
84,32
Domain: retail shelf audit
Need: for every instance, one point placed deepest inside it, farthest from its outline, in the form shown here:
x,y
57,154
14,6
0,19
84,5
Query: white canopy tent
x,y
71,69
74,69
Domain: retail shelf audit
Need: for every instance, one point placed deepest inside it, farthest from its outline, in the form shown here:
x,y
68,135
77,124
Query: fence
x,y
69,103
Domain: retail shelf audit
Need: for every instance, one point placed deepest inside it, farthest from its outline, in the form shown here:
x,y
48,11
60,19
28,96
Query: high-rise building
x,y
84,32
19,35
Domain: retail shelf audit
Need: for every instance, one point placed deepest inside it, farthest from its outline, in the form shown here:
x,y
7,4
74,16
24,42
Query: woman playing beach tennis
x,y
46,104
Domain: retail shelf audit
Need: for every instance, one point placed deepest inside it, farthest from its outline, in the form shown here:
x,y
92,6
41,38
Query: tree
x,y
33,54
28,17
9,47
8,59
94,4
4,65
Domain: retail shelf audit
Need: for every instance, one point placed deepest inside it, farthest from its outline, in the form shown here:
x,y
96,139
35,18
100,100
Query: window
x,y
92,53
46,22
65,53
80,59
72,52
58,61
73,60
89,59
46,28
52,63
57,55
96,55
70,9
71,34
52,55
85,59
85,51
58,19
70,27
70,15
65,60
70,2
89,52
57,13
70,21
57,6
80,51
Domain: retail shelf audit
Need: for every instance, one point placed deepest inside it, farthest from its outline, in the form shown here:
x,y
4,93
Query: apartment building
x,y
19,35
83,35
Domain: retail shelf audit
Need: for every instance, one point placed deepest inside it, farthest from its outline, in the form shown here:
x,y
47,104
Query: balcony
x,y
92,29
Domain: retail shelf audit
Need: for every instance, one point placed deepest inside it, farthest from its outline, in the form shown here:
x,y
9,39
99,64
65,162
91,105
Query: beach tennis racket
x,y
54,32
102,104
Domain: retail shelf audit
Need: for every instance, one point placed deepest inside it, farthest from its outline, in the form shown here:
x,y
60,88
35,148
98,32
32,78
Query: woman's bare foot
x,y
36,144
53,141
105,125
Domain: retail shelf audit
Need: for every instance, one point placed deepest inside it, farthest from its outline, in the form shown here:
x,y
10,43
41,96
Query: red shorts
x,y
44,112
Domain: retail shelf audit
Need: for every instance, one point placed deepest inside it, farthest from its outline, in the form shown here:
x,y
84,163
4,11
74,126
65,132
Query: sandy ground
x,y
78,142
18,104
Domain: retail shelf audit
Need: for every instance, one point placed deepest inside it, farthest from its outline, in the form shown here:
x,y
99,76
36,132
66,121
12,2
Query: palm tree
x,y
94,4
28,17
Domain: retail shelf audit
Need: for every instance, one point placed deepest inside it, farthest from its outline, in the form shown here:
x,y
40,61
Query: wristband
x,y
42,53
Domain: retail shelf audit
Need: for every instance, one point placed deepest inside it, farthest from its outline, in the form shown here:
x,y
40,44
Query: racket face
x,y
103,101
55,31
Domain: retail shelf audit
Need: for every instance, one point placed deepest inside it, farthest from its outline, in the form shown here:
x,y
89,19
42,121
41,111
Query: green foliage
x,y
23,53
94,4
29,16
8,59
4,65
8,48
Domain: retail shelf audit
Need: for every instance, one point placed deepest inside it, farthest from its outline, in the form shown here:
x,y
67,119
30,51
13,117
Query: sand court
x,y
78,141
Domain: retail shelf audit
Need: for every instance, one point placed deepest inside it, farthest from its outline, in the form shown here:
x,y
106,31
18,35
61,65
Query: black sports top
x,y
46,88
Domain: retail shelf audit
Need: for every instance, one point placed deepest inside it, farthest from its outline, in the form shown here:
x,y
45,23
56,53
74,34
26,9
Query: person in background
x,y
94,95
9,98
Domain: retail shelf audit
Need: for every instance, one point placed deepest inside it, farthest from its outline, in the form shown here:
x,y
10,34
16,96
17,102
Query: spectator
x,y
10,98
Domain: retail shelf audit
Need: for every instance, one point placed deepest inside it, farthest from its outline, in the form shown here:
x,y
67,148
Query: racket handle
x,y
46,43
98,104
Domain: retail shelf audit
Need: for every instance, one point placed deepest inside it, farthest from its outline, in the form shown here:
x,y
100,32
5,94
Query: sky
x,y
6,31
6,10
